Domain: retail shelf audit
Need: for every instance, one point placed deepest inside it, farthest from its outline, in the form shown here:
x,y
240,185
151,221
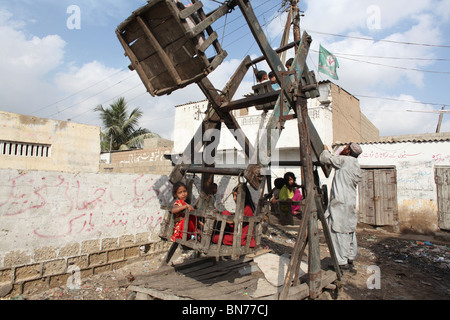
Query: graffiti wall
x,y
40,208
415,163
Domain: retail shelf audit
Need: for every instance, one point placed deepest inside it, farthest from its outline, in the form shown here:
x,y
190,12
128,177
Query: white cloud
x,y
24,63
28,65
392,117
347,15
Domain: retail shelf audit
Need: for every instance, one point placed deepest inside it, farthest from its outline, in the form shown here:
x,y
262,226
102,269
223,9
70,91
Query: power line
x,y
75,104
381,40
390,58
74,94
395,67
117,96
401,100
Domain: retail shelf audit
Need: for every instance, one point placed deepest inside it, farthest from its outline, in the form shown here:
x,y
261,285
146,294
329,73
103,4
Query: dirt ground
x,y
408,267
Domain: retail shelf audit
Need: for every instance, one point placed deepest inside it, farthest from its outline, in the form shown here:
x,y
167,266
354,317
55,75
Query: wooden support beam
x,y
238,225
228,119
205,23
213,170
278,51
212,120
250,101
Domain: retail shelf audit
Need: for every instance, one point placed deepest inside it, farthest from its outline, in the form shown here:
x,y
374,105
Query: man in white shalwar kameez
x,y
341,213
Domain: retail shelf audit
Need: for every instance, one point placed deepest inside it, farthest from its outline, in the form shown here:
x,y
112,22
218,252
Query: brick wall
x,y
52,222
52,267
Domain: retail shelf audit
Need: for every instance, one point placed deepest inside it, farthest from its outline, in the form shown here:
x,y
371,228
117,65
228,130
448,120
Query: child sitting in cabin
x,y
273,81
249,209
180,194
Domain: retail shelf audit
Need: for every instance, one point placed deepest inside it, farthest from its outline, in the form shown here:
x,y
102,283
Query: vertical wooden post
x,y
311,193
237,235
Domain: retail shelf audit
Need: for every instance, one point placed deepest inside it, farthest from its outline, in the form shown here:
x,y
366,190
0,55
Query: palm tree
x,y
121,130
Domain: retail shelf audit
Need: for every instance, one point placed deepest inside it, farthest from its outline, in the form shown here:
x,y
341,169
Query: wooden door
x,y
378,197
442,179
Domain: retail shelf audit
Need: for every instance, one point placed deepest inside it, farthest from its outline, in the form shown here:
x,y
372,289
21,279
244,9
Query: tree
x,y
120,129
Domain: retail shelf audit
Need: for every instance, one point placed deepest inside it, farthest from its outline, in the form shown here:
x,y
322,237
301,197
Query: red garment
x,y
228,234
179,226
297,197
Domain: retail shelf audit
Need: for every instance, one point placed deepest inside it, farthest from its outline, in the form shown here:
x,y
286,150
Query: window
x,y
24,149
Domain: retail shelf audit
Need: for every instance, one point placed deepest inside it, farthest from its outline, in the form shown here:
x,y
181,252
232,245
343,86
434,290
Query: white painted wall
x,y
416,187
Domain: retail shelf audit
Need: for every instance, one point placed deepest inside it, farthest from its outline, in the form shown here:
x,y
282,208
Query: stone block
x,y
110,243
101,269
126,241
54,267
132,252
69,250
80,261
16,258
96,259
33,286
58,281
45,253
28,272
142,238
90,246
6,276
115,255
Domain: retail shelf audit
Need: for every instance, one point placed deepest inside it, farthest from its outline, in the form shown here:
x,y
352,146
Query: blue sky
x,y
52,71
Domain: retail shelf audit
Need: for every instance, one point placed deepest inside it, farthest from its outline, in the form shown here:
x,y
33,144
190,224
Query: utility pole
x,y
295,20
438,129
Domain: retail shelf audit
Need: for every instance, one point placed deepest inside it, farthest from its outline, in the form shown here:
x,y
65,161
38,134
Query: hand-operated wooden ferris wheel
x,y
168,46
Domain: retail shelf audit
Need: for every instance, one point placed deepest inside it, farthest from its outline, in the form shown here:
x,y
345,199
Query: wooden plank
x,y
135,63
327,234
205,45
442,179
250,101
366,197
161,53
237,235
205,23
185,13
221,234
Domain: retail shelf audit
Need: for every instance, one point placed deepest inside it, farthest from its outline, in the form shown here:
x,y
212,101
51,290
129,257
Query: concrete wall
x,y
72,147
52,220
416,187
147,161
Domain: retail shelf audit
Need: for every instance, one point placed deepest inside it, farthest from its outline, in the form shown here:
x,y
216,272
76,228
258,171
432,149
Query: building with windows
x,y
32,143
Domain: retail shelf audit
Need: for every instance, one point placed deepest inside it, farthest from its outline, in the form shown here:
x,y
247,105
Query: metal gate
x,y
378,197
442,179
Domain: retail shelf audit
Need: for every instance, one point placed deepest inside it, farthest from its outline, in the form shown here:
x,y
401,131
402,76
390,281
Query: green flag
x,y
328,63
